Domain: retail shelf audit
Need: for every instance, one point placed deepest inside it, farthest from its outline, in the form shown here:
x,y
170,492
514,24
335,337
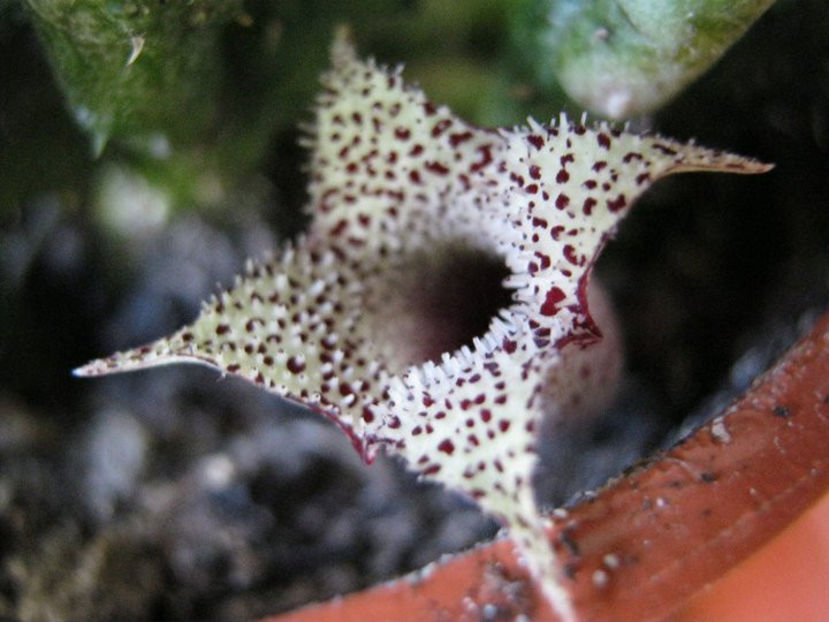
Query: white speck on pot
x,y
600,578
611,560
719,432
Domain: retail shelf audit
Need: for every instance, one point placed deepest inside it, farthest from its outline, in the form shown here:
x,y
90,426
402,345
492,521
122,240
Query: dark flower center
x,y
439,300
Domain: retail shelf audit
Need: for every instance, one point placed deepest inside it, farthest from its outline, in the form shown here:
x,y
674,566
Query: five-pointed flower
x,y
354,319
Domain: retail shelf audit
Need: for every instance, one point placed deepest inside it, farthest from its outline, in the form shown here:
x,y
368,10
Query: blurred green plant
x,y
622,58
140,70
187,100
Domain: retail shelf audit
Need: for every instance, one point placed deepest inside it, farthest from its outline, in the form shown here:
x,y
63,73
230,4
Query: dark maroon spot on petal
x,y
562,177
338,229
562,201
447,447
535,171
295,365
437,168
551,301
603,140
503,425
460,137
536,141
440,127
570,254
486,158
664,149
617,204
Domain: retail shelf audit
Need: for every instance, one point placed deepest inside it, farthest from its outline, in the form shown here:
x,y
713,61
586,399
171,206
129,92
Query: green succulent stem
x,y
141,69
622,58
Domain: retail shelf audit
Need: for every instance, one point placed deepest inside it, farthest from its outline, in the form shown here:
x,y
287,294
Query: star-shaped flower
x,y
353,320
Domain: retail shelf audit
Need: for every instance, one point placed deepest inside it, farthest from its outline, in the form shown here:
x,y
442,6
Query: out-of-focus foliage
x,y
140,70
190,96
191,101
622,58
40,145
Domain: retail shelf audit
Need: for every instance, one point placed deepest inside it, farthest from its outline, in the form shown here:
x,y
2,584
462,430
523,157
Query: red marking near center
x,y
550,306
446,446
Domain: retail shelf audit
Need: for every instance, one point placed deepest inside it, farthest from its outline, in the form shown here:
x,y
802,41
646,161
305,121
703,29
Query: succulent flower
x,y
423,224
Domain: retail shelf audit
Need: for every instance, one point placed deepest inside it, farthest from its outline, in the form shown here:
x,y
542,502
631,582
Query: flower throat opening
x,y
439,301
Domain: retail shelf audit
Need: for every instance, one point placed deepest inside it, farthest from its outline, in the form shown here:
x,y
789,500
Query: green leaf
x,y
622,58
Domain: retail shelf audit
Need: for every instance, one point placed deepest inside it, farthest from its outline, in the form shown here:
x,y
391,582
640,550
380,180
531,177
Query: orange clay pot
x,y
731,524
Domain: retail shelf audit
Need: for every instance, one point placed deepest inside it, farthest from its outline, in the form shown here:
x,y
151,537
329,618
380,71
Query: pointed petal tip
x,y
85,371
690,157
161,352
342,48
103,366
733,163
